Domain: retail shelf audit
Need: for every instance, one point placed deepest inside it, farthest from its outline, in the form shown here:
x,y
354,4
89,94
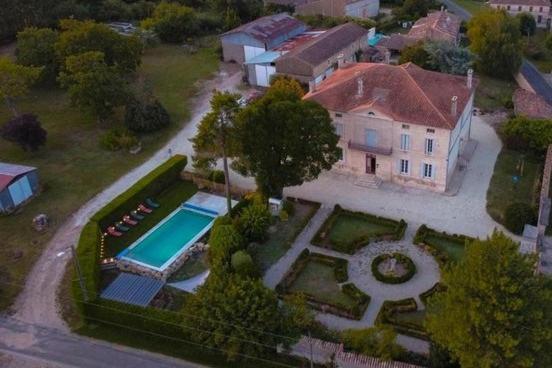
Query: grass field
x,y
504,190
72,166
493,93
472,6
347,228
454,250
317,279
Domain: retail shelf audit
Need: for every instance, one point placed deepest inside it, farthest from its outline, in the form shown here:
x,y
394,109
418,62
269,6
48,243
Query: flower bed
x,y
347,231
326,294
389,314
444,247
404,261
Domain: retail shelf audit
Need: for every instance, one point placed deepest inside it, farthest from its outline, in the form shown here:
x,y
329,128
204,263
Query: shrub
x,y
224,241
340,270
283,215
146,116
217,176
254,222
426,295
118,138
376,341
391,279
25,130
517,215
527,135
289,207
242,263
390,308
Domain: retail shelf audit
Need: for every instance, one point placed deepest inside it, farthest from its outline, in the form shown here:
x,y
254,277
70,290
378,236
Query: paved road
x,y
31,345
533,76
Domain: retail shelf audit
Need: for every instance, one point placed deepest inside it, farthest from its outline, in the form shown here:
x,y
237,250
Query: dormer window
x,y
406,126
338,115
430,131
371,113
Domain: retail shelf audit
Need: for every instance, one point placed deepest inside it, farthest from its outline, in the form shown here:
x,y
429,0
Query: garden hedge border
x,y
356,244
392,307
306,220
437,288
408,263
340,271
423,232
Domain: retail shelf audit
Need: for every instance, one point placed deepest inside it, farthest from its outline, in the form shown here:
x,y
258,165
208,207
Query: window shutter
x,y
433,171
398,170
422,170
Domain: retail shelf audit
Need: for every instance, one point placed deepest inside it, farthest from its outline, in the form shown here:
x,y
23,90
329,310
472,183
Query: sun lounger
x,y
135,215
144,209
151,203
127,220
111,231
121,227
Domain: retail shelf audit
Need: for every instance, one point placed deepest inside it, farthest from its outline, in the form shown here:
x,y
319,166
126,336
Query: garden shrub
x,y
389,279
254,222
426,295
527,135
283,215
147,116
289,207
118,138
242,263
517,215
224,241
390,308
217,176
378,342
340,269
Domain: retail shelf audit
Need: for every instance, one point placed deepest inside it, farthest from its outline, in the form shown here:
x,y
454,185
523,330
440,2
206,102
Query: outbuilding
x,y
18,184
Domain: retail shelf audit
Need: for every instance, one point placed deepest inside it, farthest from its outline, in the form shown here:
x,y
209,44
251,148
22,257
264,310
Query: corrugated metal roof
x,y
265,57
133,289
270,27
9,171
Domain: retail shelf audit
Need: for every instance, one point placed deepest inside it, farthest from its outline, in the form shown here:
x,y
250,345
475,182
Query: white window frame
x,y
405,142
339,128
427,146
428,171
404,166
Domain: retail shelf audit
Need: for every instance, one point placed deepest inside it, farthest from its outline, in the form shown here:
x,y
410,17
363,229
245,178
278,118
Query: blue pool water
x,y
373,41
176,233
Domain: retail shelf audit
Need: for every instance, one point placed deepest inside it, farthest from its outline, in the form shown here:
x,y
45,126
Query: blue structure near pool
x,y
18,184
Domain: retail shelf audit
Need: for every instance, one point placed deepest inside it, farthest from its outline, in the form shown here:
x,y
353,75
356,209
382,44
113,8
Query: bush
x,y
527,135
172,22
24,130
284,216
242,263
224,241
289,207
390,308
118,138
390,279
517,215
217,176
340,270
426,295
146,116
254,222
376,341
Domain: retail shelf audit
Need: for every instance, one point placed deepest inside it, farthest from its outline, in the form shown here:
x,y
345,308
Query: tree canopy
x,y
416,54
495,311
15,81
446,57
527,23
496,40
36,47
172,22
284,140
376,341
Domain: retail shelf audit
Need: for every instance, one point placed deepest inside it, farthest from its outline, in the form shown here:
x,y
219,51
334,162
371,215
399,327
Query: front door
x,y
370,164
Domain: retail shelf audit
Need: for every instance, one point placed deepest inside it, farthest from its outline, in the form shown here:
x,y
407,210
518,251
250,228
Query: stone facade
x,y
539,9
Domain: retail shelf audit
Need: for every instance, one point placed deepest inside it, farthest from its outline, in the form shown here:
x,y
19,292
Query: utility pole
x,y
310,345
79,273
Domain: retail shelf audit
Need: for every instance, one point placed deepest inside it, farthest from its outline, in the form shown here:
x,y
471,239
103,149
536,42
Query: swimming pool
x,y
164,243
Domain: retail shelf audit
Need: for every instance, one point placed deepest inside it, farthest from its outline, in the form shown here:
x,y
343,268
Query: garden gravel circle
x,y
360,270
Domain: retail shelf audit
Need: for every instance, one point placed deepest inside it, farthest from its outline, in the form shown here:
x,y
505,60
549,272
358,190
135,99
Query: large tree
x,y
236,314
93,85
172,22
284,140
527,23
36,47
496,40
26,131
15,81
77,37
216,136
416,54
495,311
448,58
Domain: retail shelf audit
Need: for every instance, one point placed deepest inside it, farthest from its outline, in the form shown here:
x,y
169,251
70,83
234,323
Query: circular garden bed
x,y
394,268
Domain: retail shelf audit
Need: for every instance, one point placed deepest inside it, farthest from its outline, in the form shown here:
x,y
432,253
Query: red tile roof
x,y
531,105
406,93
438,25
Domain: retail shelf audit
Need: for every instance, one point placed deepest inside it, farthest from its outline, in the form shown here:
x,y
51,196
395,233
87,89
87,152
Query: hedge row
x,y
389,279
149,186
391,308
315,206
437,288
399,228
422,238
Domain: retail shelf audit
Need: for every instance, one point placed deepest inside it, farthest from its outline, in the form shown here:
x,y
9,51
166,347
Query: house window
x,y
540,9
338,129
340,154
430,131
530,8
519,8
539,19
428,171
429,146
405,142
508,7
405,126
338,115
404,167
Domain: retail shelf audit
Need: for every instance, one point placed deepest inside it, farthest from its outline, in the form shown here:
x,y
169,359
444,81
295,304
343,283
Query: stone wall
x,y
544,199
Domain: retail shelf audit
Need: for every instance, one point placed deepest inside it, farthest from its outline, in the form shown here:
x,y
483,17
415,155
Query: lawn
x,y
536,51
454,249
283,234
493,93
347,227
415,317
318,279
72,166
504,189
472,6
168,200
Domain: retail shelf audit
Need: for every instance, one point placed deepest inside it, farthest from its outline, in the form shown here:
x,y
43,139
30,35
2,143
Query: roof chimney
x,y
340,61
454,105
387,57
442,8
312,86
360,87
469,82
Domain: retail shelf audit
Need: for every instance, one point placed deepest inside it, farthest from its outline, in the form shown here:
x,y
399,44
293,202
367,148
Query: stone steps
x,y
368,181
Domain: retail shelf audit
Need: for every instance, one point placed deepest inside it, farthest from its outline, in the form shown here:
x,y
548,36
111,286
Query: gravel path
x,y
37,302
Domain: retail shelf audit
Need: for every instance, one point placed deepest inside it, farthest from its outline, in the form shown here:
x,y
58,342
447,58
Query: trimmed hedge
x,y
340,272
149,186
399,228
389,279
390,308
424,232
315,206
437,288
